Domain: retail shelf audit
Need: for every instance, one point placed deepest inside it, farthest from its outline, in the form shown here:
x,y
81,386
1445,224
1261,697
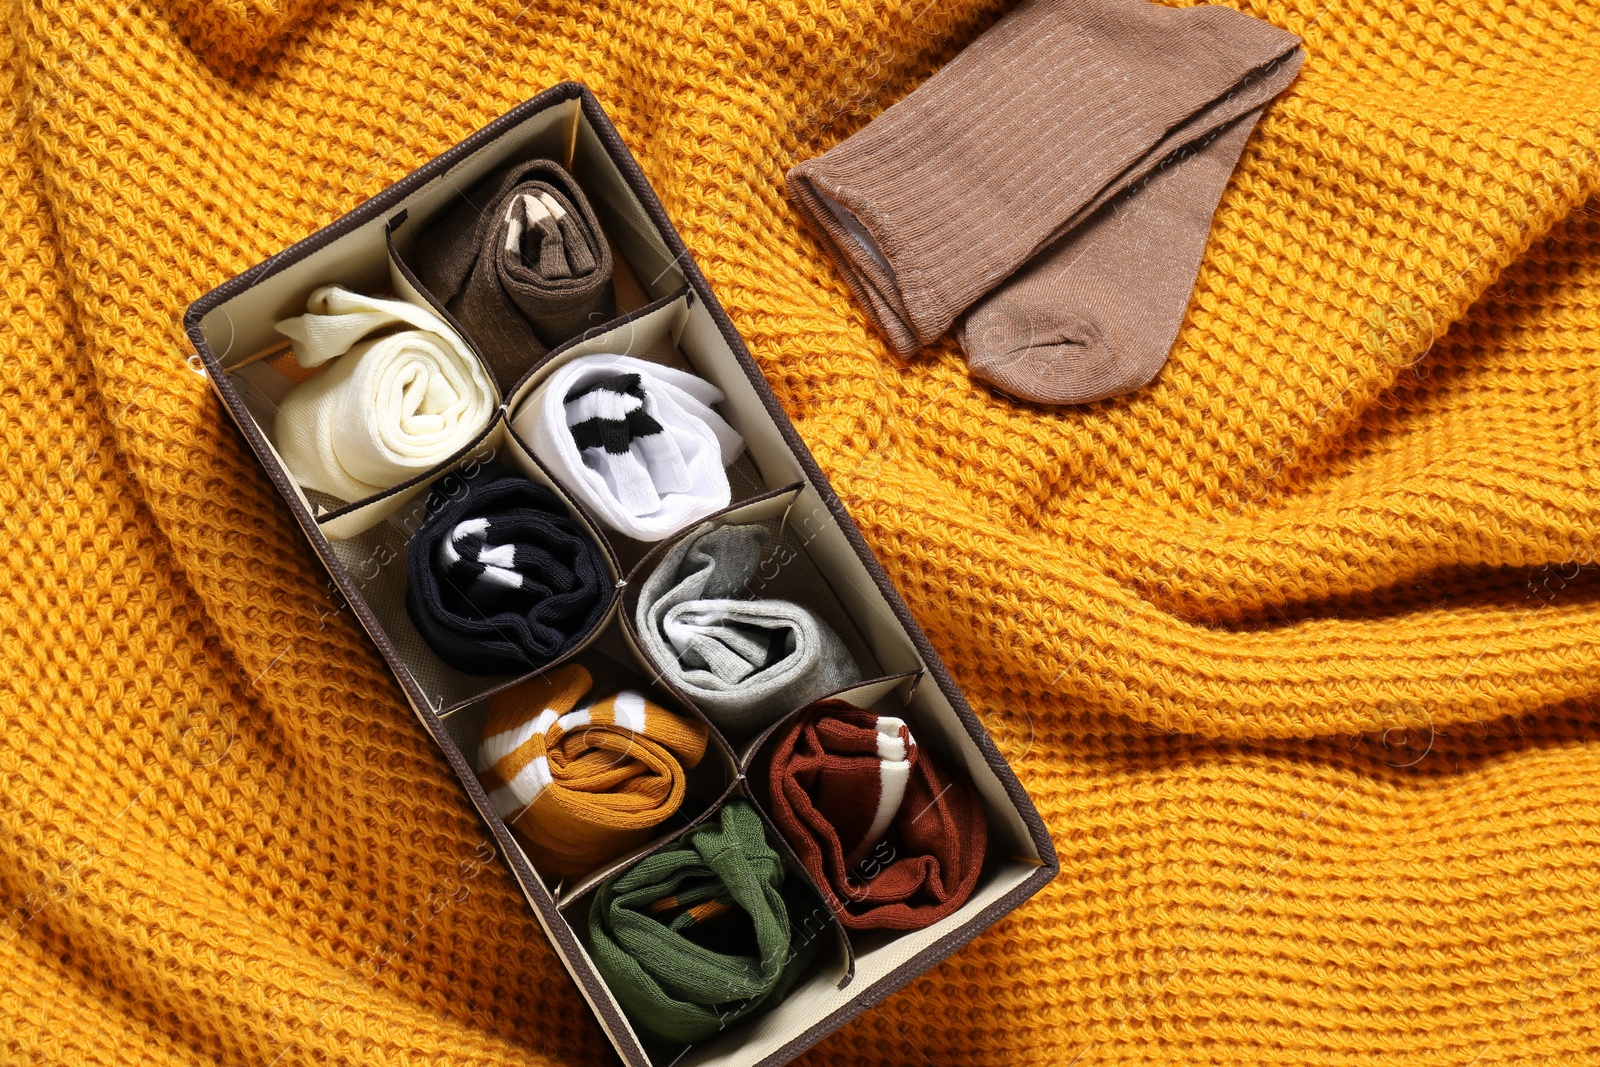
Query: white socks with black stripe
x,y
636,441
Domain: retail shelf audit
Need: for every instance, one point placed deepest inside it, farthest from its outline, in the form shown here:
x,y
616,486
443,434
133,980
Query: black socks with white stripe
x,y
501,579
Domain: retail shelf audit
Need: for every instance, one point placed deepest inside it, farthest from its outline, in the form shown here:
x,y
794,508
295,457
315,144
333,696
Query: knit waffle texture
x,y
1297,650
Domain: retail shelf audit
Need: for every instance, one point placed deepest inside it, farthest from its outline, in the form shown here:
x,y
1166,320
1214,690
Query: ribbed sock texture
x,y
638,442
698,936
744,660
1044,119
893,840
388,404
1095,314
501,579
521,262
582,776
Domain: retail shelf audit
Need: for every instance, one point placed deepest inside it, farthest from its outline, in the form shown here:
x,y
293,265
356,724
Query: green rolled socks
x,y
695,937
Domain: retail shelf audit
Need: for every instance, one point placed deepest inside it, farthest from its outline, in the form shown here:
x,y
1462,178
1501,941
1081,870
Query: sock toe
x,y
1048,357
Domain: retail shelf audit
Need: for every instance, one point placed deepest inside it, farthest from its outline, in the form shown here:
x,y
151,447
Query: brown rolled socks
x,y
1089,140
521,262
892,839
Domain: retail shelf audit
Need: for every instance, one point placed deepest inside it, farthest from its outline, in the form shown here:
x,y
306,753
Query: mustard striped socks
x,y
583,780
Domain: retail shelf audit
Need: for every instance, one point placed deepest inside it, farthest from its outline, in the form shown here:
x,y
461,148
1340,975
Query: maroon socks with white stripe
x,y
892,840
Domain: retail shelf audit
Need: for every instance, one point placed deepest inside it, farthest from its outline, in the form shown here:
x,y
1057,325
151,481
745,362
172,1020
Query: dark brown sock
x,y
1095,314
522,264
1049,116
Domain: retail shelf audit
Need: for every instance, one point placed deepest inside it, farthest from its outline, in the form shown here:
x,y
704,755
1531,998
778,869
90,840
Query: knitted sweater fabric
x,y
1297,649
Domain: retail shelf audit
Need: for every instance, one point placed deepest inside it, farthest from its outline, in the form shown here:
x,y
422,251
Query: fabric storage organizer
x,y
815,553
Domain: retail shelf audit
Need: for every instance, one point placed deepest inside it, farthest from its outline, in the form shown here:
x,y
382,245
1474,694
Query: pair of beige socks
x,y
1052,189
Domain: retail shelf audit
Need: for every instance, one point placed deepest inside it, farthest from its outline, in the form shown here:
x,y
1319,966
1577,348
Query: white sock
x,y
389,407
636,441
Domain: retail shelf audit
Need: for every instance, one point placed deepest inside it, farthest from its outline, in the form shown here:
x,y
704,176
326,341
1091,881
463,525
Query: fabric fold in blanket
x,y
522,264
706,932
635,441
583,780
501,579
744,660
402,394
892,839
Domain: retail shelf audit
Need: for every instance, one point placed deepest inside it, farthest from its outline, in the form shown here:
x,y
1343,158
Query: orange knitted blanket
x,y
1297,650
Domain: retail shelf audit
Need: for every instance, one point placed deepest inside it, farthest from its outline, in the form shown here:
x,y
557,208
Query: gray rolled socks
x,y
745,660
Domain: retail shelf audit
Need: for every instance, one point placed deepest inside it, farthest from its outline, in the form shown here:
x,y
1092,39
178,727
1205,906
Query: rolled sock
x,y
522,264
1095,315
583,780
637,442
744,661
892,840
389,407
624,443
1024,135
702,934
501,579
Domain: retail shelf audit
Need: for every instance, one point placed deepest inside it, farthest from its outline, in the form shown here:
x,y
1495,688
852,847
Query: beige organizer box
x,y
816,556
